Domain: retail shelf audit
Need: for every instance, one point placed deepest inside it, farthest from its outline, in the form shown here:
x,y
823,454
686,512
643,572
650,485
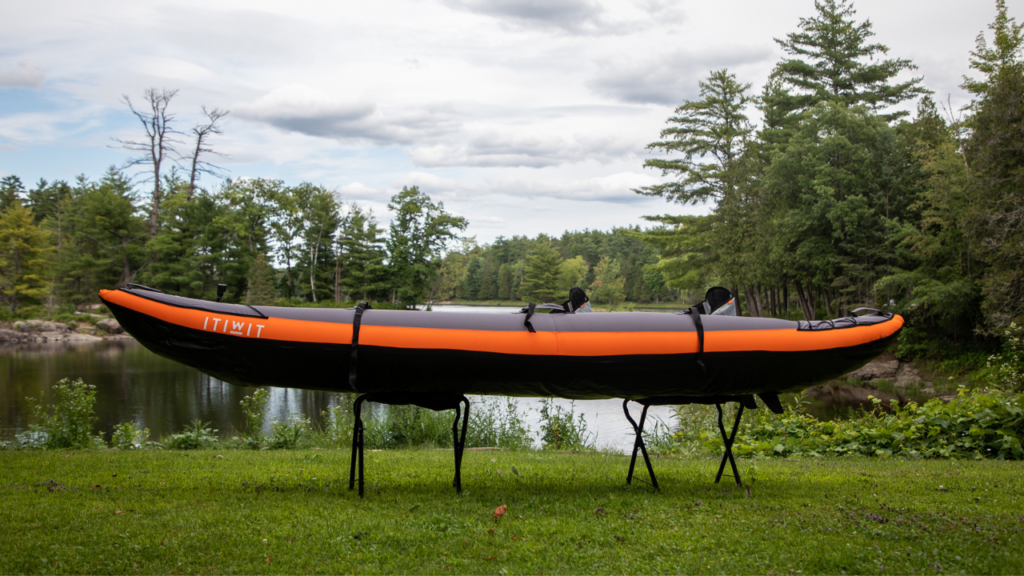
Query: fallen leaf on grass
x,y
117,511
268,559
95,486
491,531
500,511
490,559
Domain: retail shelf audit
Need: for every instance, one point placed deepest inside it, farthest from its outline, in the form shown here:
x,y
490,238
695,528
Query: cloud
x,y
568,15
26,74
615,188
297,108
495,149
668,79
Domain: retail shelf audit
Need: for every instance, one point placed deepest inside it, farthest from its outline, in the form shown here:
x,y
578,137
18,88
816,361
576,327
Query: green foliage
x,y
408,427
69,420
608,284
1005,52
1008,366
976,424
287,435
563,429
833,61
195,436
418,237
540,281
261,288
498,422
129,436
24,249
254,408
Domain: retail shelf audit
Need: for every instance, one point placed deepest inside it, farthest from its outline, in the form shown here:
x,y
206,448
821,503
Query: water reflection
x,y
134,385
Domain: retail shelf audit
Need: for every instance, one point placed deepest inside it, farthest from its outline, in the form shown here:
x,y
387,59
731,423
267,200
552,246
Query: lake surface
x,y
135,385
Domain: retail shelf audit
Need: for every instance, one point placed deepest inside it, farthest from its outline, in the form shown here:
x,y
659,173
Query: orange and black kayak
x,y
630,355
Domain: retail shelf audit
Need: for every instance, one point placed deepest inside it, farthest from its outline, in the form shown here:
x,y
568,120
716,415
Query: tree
x,y
319,211
712,128
24,248
540,282
996,153
201,134
260,288
572,273
1006,50
833,61
158,146
11,190
362,271
418,237
608,283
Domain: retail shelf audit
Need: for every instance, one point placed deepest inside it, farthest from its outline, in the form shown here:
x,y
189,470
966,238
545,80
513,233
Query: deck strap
x,y
353,360
699,324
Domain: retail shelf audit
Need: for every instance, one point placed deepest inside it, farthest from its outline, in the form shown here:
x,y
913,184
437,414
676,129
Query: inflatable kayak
x,y
631,355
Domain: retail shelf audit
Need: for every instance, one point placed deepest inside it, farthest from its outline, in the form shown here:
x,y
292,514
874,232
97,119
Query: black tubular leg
x,y
459,442
638,444
357,446
728,439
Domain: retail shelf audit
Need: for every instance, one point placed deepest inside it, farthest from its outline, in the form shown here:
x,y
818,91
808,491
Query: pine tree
x,y
541,276
261,289
1006,51
24,248
996,155
833,61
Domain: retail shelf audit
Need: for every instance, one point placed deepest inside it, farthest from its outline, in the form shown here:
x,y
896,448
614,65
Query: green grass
x,y
291,512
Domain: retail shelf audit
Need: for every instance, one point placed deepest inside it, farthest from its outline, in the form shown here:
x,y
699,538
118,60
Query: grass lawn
x,y
162,512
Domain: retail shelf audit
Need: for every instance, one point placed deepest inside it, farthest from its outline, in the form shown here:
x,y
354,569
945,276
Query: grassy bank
x,y
291,512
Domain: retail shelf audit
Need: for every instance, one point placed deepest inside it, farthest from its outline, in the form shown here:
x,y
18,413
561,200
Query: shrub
x,y
197,435
976,424
563,429
70,423
498,422
128,436
1008,367
254,407
286,435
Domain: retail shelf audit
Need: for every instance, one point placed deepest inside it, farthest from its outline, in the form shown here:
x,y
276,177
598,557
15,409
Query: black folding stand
x,y
728,438
434,402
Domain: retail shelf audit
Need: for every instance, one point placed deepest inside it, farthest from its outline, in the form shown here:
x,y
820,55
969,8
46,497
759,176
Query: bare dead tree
x,y
158,147
201,133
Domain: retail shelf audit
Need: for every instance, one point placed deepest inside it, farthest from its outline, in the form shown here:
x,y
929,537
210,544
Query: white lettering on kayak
x,y
236,327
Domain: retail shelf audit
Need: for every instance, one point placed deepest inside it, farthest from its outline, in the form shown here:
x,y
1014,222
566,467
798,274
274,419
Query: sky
x,y
524,116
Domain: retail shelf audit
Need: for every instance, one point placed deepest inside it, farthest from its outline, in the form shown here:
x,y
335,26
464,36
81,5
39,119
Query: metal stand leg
x,y
459,444
638,444
357,446
729,439
445,403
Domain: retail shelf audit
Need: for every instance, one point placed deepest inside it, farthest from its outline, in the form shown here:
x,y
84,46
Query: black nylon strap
x,y
354,355
695,313
529,314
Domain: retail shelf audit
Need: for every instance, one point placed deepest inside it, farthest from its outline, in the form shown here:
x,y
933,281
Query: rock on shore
x,y
41,331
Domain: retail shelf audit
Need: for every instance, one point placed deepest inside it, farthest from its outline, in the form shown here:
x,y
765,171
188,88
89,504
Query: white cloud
x,y
668,78
27,74
497,149
298,108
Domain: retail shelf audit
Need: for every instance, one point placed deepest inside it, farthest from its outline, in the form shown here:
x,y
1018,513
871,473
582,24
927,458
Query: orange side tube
x,y
579,344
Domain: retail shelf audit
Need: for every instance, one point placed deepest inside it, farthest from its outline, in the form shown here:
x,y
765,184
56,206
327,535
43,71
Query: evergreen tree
x,y
362,273
261,288
1006,51
608,283
24,248
996,154
832,60
540,282
11,191
712,128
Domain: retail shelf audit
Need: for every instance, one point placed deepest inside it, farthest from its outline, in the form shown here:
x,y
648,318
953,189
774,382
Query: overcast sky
x,y
524,116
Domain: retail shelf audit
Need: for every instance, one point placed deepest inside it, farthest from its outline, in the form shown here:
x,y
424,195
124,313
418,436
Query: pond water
x,y
135,385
